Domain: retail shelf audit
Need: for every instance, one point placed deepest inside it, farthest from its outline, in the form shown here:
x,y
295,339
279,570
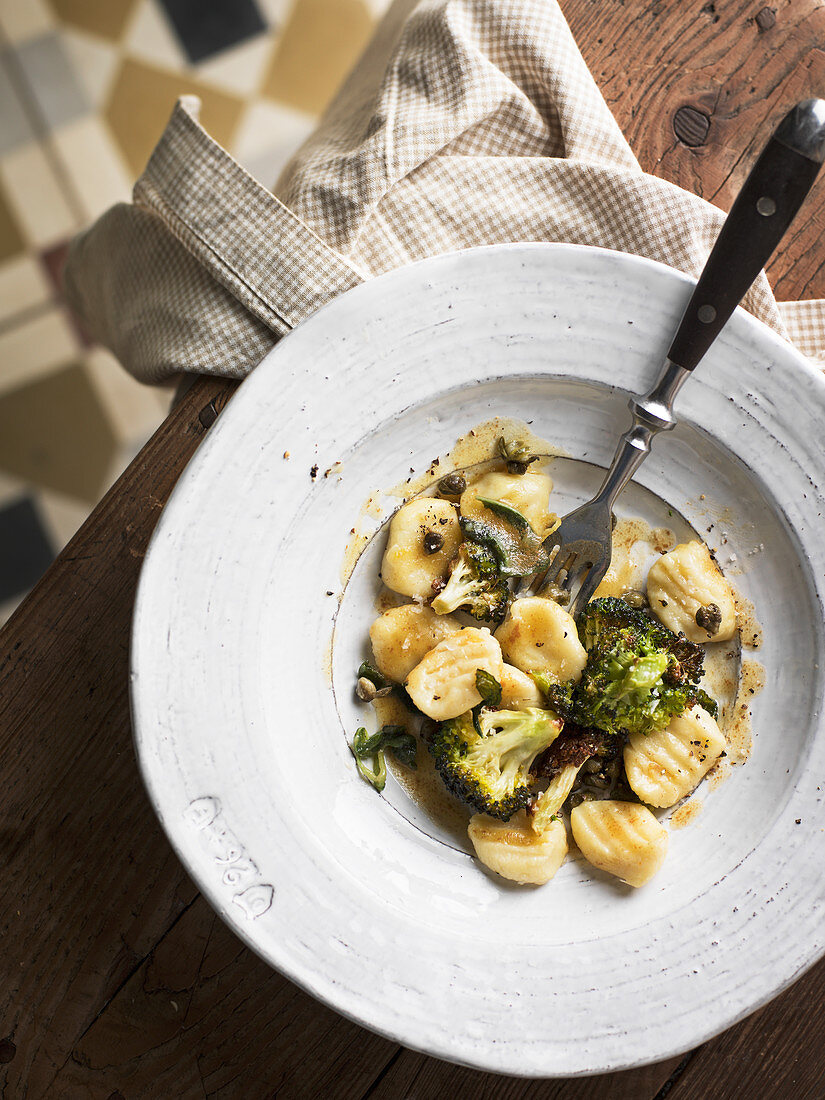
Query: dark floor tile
x,y
206,27
25,551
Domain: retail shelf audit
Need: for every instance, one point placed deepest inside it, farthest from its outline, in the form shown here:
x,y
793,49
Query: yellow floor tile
x,y
106,18
141,103
319,45
35,347
55,434
11,239
35,197
24,19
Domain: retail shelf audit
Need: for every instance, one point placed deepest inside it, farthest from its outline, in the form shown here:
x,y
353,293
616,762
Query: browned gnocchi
x,y
514,697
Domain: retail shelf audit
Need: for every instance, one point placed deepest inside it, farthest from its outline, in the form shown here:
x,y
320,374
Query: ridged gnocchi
x,y
540,636
512,719
518,690
409,565
688,593
665,766
622,838
443,684
528,493
401,636
514,851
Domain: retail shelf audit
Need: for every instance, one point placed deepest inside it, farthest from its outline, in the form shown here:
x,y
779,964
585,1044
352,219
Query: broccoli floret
x,y
485,757
474,587
547,806
638,674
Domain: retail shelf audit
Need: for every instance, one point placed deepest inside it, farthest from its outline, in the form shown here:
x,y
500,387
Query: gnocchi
x,y
665,766
528,493
443,684
424,538
535,723
540,636
688,593
518,690
514,851
401,637
622,838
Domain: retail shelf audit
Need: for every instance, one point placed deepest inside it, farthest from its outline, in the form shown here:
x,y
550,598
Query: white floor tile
x,y
34,348
36,196
23,285
93,164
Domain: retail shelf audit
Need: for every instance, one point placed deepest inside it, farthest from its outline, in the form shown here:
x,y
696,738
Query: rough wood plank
x,y
779,1051
414,1075
90,882
203,1016
653,59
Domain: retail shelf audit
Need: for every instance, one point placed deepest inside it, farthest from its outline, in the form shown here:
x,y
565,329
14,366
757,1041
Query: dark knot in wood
x,y
691,126
766,18
7,1051
208,415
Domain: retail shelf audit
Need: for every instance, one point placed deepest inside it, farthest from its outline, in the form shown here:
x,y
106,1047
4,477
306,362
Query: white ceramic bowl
x,y
242,667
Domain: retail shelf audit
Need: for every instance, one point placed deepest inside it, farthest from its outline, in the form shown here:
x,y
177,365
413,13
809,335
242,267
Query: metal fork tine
x,y
585,593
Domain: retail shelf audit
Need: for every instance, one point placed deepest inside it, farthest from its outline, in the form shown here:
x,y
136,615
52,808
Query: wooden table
x,y
116,978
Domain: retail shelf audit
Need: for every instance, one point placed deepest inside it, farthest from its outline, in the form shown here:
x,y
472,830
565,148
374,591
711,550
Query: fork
x,y
764,208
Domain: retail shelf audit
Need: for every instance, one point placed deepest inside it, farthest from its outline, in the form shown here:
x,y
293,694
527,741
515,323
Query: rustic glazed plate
x,y
245,645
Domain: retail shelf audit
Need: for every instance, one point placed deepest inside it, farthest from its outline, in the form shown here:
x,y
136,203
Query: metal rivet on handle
x,y
766,206
706,314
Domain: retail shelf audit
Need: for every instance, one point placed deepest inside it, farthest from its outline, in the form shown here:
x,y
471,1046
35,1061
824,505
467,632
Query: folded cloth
x,y
463,124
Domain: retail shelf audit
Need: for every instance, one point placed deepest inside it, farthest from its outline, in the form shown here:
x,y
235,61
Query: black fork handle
x,y
767,204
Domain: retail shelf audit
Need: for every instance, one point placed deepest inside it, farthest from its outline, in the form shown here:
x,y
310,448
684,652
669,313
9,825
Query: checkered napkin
x,y
464,124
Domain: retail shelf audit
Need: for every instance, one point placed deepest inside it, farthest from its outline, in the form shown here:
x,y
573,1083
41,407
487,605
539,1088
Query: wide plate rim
x,y
173,832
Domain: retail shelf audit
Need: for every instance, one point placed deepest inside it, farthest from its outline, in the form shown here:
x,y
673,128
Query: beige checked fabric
x,y
466,122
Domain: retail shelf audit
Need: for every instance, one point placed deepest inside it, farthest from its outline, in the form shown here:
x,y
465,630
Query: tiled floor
x,y
86,87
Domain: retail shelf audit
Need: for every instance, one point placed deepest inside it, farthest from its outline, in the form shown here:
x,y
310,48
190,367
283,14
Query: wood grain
x,y
651,59
116,979
203,1016
90,883
415,1075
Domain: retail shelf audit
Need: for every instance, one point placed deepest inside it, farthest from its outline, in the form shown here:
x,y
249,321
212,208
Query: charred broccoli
x,y
485,756
638,674
474,585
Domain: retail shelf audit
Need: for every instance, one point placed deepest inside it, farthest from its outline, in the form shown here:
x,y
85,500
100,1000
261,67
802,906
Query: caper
x,y
516,454
554,592
600,782
365,689
635,598
578,797
709,618
433,541
591,767
452,485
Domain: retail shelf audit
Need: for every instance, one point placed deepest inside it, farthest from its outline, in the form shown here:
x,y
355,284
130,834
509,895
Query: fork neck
x,y
652,413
